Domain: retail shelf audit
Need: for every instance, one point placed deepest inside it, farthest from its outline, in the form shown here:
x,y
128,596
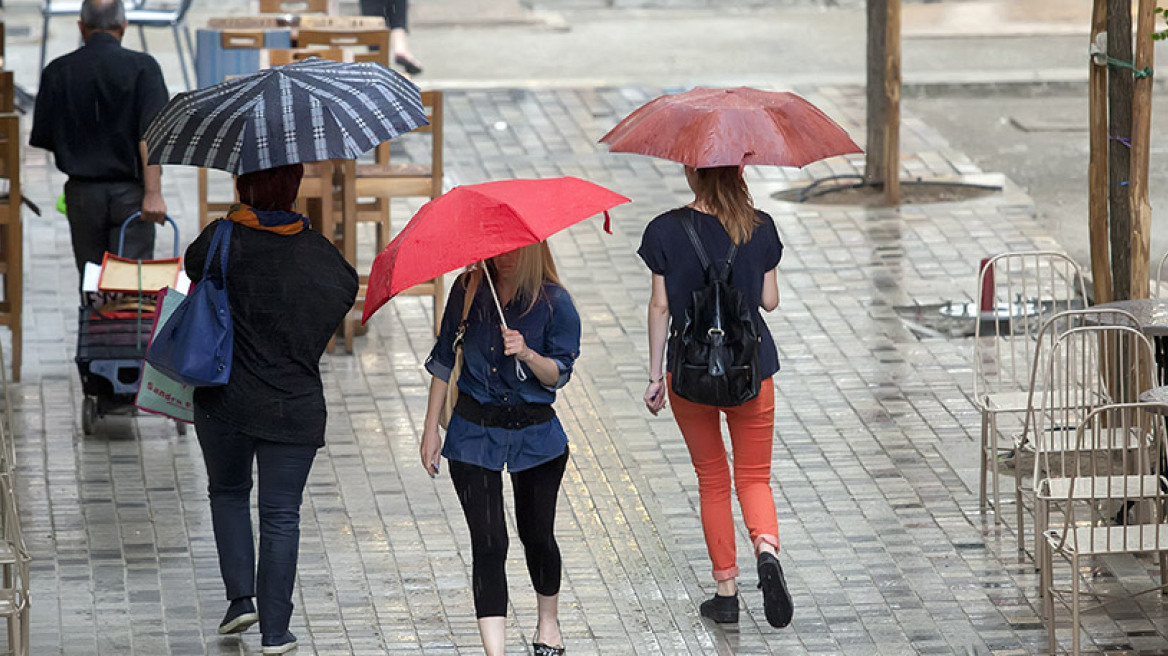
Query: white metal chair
x,y
1088,367
1025,290
1161,268
1117,464
1043,399
51,9
14,570
176,20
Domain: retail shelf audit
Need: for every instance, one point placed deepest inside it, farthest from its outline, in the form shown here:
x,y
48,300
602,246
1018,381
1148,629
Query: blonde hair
x,y
534,267
723,191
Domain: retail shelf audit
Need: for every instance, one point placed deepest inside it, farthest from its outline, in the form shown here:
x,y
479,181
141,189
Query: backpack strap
x,y
687,221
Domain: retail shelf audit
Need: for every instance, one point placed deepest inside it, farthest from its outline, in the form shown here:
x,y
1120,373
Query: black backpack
x,y
715,354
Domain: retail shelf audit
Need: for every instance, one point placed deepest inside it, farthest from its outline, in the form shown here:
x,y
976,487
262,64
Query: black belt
x,y
512,417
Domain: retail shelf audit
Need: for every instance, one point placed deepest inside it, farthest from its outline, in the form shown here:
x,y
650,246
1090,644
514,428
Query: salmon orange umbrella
x,y
731,127
474,222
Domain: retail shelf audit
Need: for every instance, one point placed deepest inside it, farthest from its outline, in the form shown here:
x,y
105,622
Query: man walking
x,y
92,110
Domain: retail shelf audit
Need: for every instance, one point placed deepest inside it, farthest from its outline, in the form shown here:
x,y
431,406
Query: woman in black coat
x,y
289,288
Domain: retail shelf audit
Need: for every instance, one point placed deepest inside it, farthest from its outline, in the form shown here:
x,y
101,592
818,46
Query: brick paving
x,y
875,450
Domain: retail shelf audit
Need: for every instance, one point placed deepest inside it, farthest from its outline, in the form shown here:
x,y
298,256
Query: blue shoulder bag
x,y
195,344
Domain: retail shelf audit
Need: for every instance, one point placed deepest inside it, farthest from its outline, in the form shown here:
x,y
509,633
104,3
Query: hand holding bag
x,y
195,344
456,370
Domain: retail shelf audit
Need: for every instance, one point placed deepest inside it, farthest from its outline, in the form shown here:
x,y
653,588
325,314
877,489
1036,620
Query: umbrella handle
x,y
519,372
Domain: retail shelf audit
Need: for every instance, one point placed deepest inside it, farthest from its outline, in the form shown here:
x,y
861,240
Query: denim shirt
x,y
552,329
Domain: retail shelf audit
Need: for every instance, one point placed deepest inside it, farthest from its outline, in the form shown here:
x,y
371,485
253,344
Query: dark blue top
x,y
667,251
551,329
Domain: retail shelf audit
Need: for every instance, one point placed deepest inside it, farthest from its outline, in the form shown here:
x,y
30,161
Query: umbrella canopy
x,y
731,127
308,111
475,222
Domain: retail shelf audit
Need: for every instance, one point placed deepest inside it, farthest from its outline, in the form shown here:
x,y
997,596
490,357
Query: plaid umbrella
x,y
308,111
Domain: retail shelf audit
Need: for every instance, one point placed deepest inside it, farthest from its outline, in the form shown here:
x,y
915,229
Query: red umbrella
x,y
731,127
475,222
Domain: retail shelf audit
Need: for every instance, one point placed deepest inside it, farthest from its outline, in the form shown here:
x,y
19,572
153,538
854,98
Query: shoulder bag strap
x,y
220,242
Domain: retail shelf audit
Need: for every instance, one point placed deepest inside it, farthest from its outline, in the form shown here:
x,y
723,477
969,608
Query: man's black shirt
x,y
93,108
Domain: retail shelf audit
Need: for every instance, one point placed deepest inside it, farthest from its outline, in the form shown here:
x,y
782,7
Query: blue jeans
x,y
283,472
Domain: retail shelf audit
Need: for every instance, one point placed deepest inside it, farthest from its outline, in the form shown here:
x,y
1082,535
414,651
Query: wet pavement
x,y
874,461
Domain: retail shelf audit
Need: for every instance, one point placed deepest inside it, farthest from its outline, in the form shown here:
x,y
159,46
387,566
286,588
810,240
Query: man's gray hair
x,y
103,14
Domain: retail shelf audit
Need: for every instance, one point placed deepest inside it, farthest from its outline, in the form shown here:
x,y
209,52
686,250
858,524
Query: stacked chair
x,y
1027,289
14,555
1077,379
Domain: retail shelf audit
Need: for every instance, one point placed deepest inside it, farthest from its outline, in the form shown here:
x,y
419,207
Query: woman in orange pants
x,y
722,214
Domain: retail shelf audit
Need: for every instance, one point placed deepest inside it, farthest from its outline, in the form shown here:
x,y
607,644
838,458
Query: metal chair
x,y
1054,328
1154,288
175,19
57,9
1024,290
1088,367
14,570
1117,464
49,11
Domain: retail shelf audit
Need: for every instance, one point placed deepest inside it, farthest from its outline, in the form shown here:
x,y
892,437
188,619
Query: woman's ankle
x,y
727,587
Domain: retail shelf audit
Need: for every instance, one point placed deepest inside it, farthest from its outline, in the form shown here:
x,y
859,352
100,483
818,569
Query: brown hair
x,y
723,191
534,268
270,189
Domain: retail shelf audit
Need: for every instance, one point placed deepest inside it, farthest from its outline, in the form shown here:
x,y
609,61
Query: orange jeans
x,y
752,427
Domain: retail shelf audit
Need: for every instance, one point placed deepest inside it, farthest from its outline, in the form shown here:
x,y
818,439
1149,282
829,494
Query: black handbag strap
x,y
687,221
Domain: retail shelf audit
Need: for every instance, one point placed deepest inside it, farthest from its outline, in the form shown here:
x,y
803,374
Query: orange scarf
x,y
280,222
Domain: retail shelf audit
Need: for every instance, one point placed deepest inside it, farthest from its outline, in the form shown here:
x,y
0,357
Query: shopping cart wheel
x,y
88,415
181,427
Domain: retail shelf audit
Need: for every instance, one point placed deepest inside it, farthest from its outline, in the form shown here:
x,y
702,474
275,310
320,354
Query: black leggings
x,y
395,12
480,491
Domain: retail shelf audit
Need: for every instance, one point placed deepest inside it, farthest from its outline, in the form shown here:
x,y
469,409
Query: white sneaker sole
x,y
281,649
239,624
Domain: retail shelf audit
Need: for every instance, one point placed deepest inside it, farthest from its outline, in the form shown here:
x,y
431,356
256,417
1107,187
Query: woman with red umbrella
x,y
722,214
715,133
518,348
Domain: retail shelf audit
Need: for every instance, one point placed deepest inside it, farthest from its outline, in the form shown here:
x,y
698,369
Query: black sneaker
x,y
281,645
723,610
241,614
775,597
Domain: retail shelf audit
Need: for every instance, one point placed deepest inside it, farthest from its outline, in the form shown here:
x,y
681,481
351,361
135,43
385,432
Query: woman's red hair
x,y
270,189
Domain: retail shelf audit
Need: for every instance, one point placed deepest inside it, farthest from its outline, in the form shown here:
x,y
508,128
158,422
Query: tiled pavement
x,y
874,451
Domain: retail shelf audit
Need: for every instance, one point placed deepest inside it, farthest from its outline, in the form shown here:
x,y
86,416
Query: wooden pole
x,y
874,148
1097,185
1119,87
882,160
1141,222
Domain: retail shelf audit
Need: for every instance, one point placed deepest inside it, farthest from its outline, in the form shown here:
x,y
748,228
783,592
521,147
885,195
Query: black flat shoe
x,y
540,649
241,614
723,610
776,598
411,67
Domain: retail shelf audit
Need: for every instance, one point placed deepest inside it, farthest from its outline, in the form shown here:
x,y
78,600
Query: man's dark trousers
x,y
96,213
